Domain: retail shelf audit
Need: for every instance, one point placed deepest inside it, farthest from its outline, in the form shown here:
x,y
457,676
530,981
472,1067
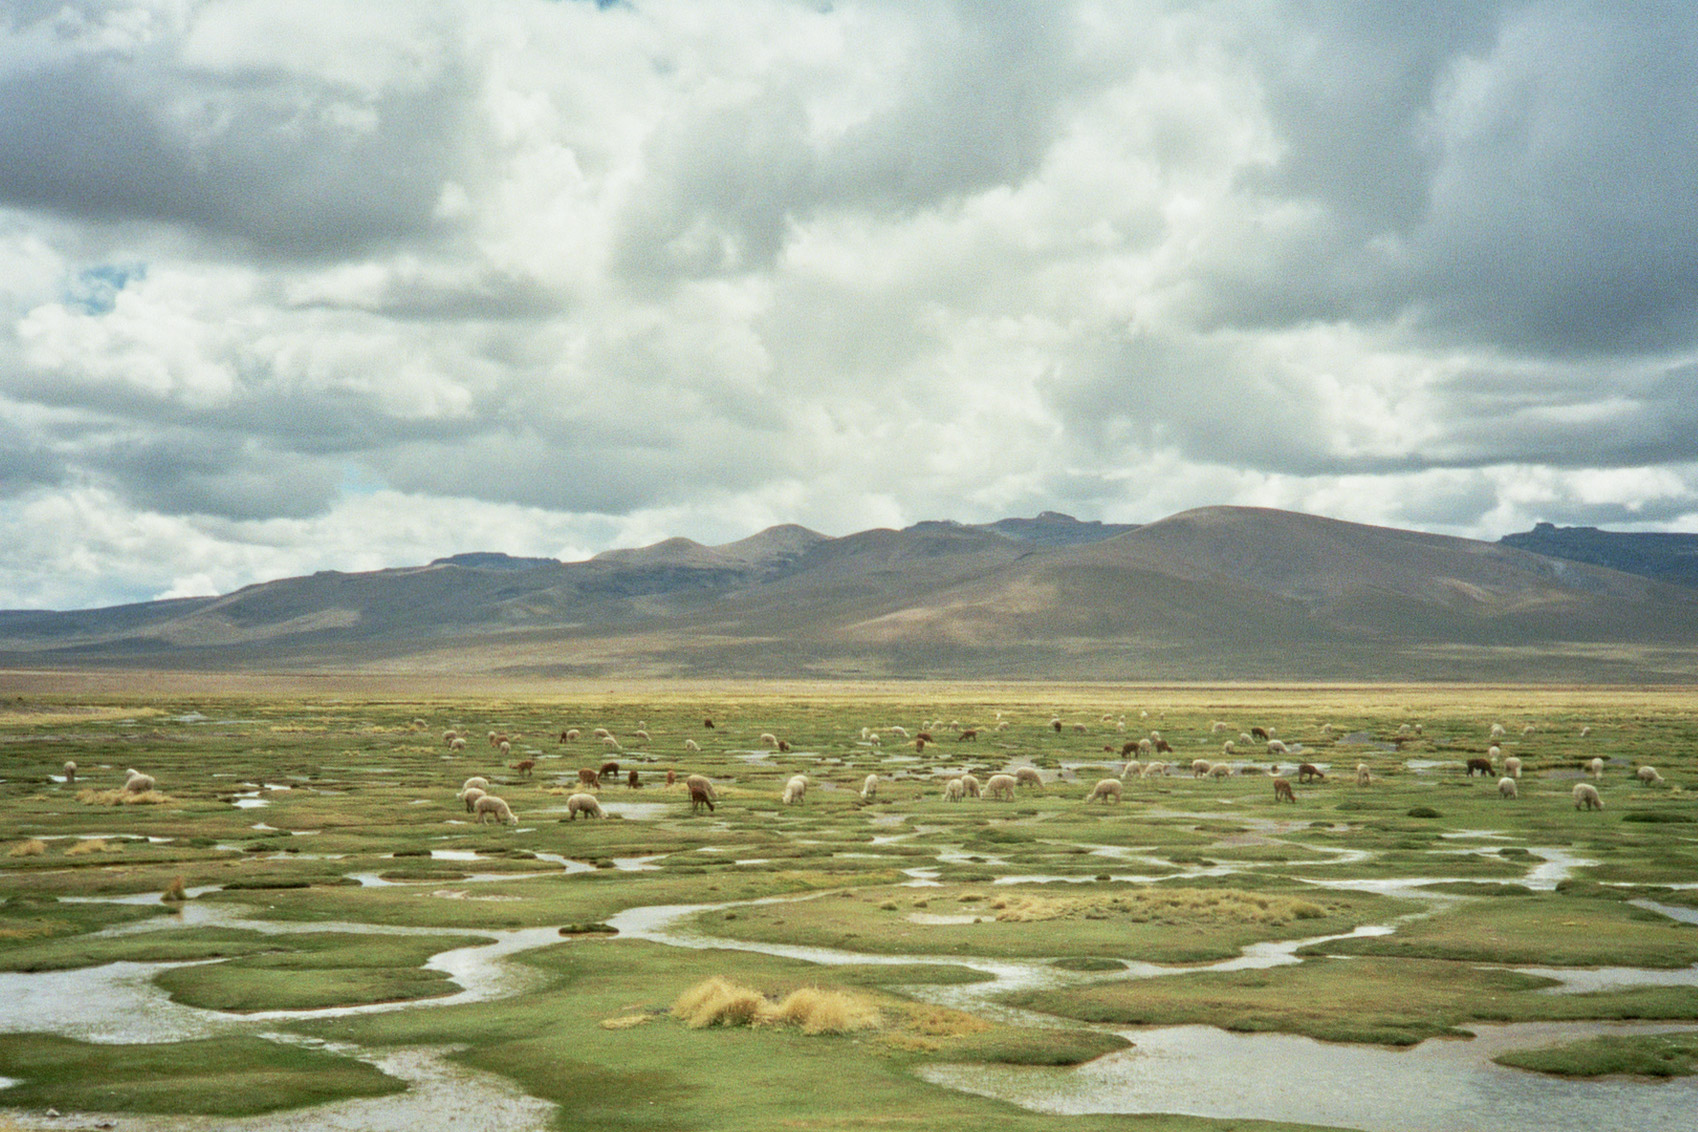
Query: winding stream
x,y
1198,1070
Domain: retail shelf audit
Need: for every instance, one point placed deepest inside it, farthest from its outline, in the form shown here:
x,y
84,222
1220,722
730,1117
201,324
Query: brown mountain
x,y
1216,593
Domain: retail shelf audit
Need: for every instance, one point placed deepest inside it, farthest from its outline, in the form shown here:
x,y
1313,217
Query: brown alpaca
x,y
609,770
1484,766
587,777
1283,792
525,766
631,781
671,776
1309,772
970,733
699,798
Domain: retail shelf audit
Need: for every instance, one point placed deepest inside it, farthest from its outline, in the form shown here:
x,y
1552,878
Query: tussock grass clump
x,y
93,845
624,1021
175,892
122,797
30,848
816,1010
1188,904
719,1002
823,1011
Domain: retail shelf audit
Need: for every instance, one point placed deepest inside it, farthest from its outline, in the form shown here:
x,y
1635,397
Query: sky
x,y
321,285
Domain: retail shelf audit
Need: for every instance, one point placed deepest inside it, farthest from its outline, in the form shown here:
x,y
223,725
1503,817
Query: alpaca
x,y
489,805
583,804
1283,792
1108,790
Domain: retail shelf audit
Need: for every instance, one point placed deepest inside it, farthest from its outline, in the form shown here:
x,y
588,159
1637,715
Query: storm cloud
x,y
286,288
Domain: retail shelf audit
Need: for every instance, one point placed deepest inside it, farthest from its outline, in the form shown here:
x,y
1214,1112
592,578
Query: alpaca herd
x,y
1505,770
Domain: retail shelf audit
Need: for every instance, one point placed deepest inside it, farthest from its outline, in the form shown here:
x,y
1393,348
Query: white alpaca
x,y
1227,748
1133,769
970,784
1498,731
1277,747
1153,770
470,796
1200,768
700,782
1364,776
1648,775
1220,770
692,745
1512,767
954,790
869,788
477,780
1595,768
1506,788
1028,776
457,745
1000,786
795,789
138,783
70,770
1586,796
1107,790
585,804
769,739
489,805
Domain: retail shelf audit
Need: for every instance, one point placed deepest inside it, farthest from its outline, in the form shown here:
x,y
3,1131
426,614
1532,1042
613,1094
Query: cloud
x,y
549,278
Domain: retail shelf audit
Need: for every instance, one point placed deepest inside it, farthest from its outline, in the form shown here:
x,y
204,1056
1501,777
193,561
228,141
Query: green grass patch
x,y
1644,1055
234,1076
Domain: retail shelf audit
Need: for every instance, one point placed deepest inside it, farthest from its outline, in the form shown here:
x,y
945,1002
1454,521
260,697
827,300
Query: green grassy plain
x,y
361,828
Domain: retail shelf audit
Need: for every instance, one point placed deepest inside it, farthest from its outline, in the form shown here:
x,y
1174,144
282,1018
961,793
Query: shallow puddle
x,y
1439,1086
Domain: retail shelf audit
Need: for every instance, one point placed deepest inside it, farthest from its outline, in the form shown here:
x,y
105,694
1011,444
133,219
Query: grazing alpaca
x,y
1283,792
1512,767
1153,770
524,767
954,790
504,748
1309,772
1595,768
1132,769
569,735
609,769
1128,747
1027,776
1586,796
708,723
489,805
783,746
1000,786
692,745
1107,790
869,788
588,778
1506,787
700,797
1259,733
1163,747
138,783
477,780
583,804
1648,775
1364,776
457,745
70,772
700,782
971,785
795,789
971,733
1200,768
671,776
631,782
470,796
1484,766
768,739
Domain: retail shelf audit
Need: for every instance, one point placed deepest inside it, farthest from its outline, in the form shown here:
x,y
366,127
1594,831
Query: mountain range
x,y
1218,593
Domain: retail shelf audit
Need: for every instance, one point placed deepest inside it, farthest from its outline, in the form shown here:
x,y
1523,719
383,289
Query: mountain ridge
x,y
1211,593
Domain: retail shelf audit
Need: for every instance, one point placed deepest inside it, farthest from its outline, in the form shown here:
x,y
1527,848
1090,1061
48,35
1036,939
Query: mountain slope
x,y
1666,557
1216,593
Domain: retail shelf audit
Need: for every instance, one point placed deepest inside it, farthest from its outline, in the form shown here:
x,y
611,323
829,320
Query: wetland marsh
x,y
1194,956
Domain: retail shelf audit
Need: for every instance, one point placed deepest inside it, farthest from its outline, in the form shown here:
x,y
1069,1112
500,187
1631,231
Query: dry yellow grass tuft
x,y
30,848
1194,904
625,1021
92,845
121,797
816,1010
820,1011
719,1002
